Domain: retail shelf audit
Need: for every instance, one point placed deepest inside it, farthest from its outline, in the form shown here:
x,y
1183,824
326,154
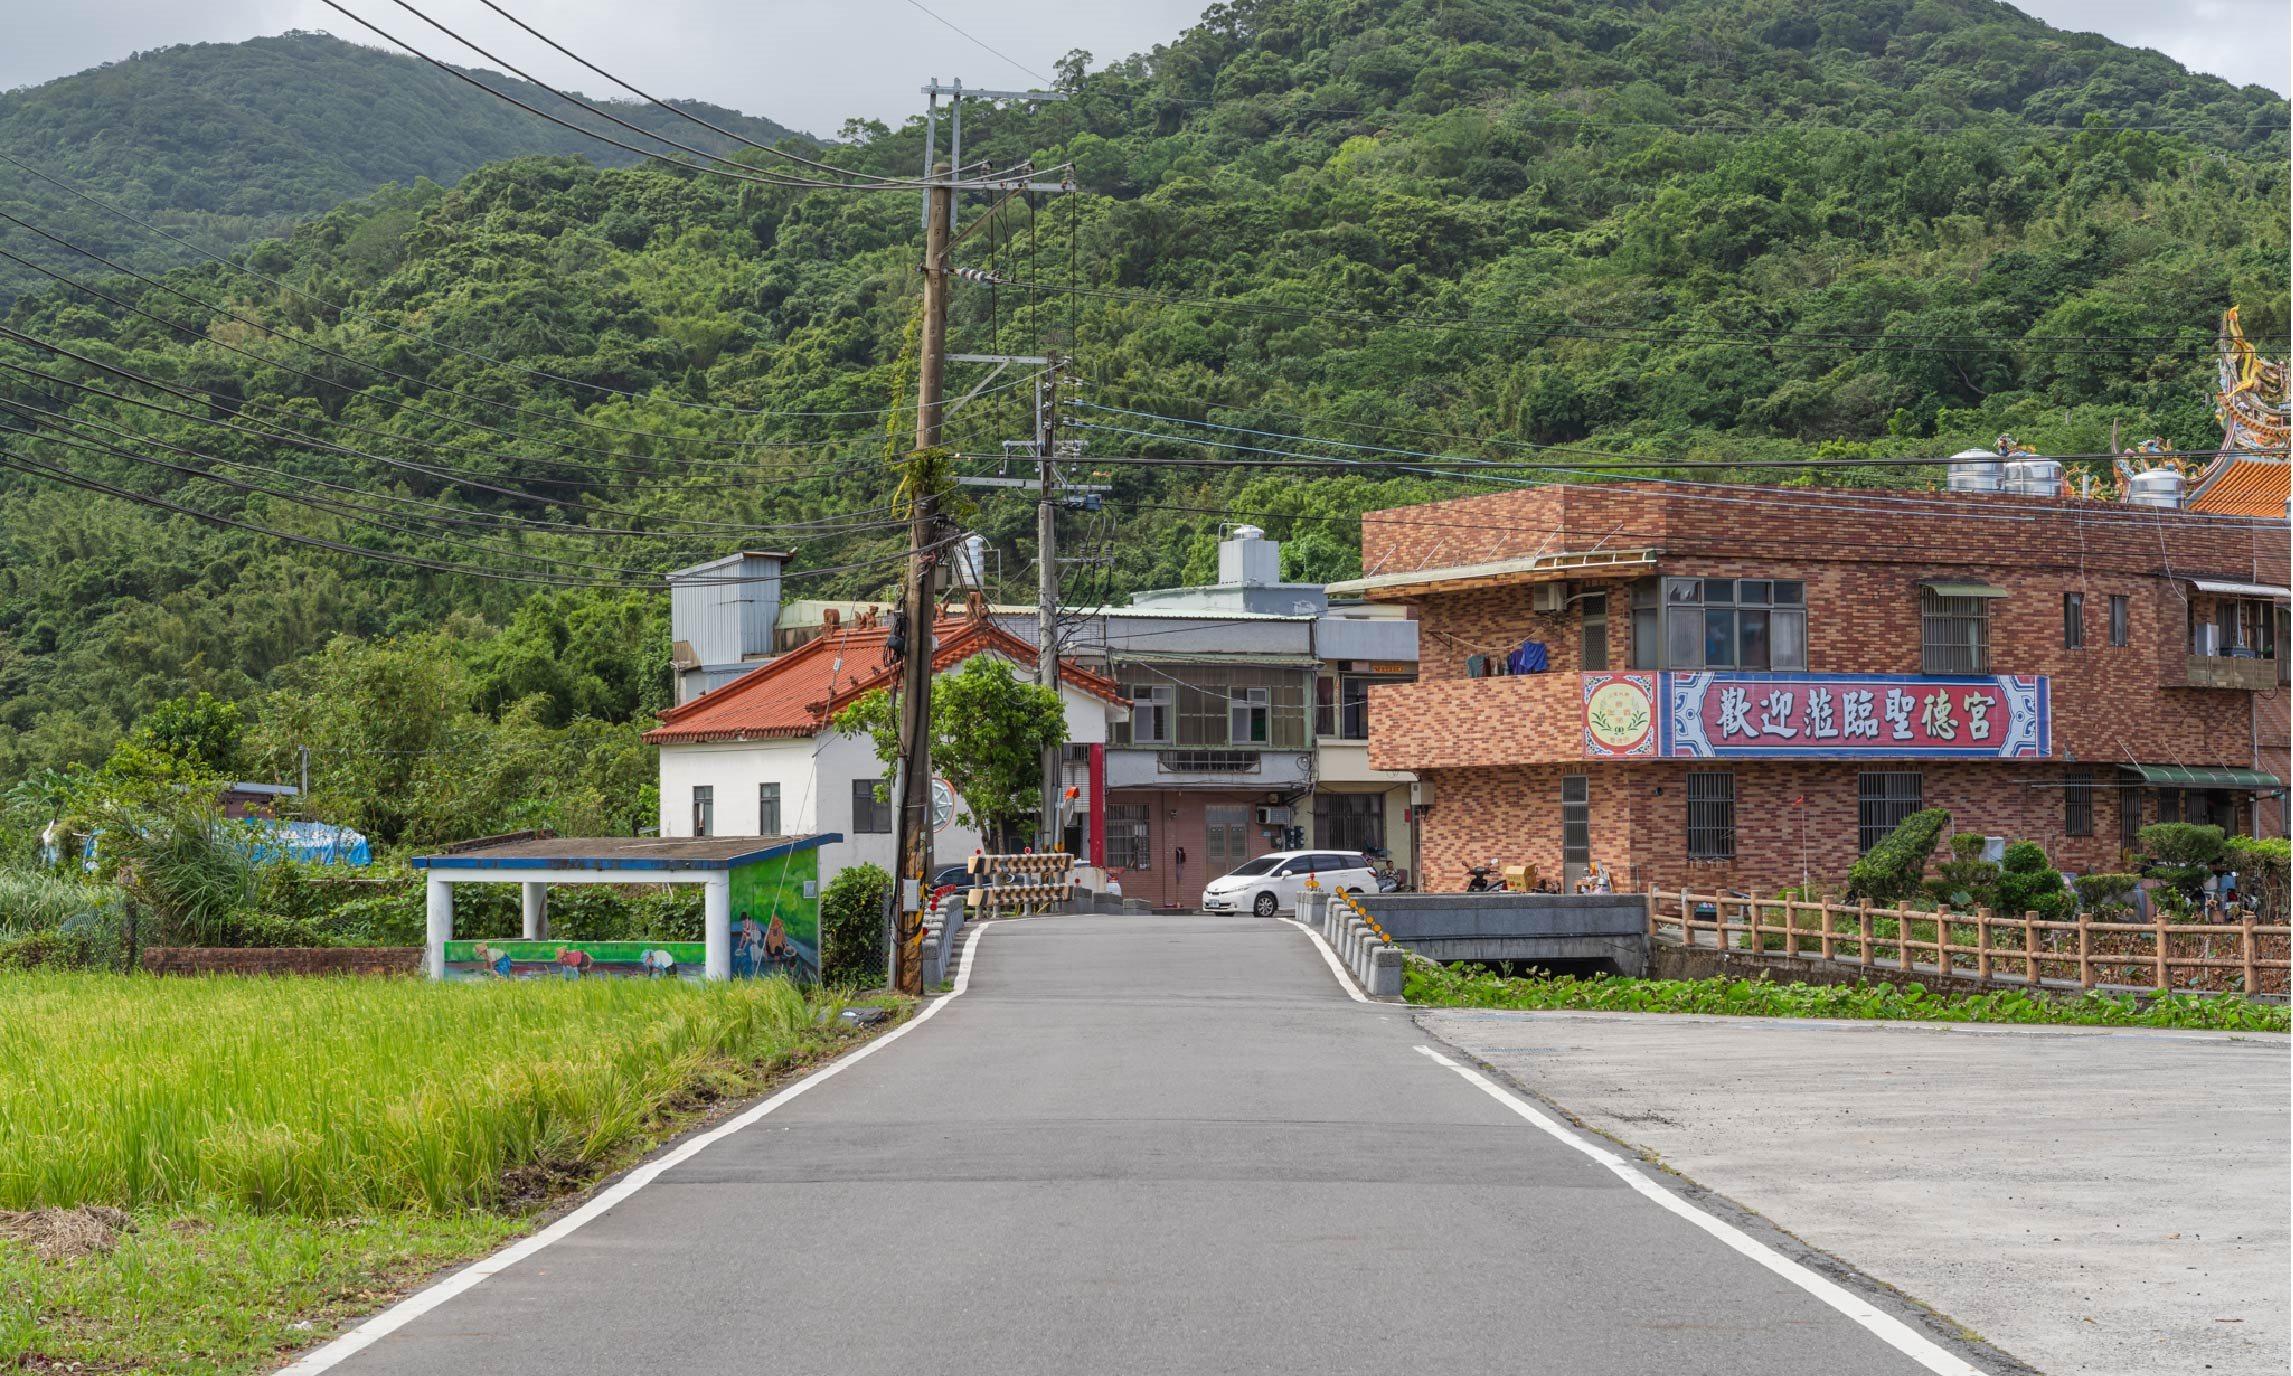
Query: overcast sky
x,y
811,64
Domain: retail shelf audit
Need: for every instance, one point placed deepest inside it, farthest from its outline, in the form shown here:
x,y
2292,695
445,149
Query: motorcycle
x,y
1486,879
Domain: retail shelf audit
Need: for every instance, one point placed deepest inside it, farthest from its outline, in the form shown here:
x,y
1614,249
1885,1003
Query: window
x,y
1729,623
1325,707
1596,630
2119,617
1954,634
1353,716
2073,621
1128,845
2078,804
2169,804
1216,705
1249,711
768,809
1576,820
2130,818
1712,814
704,810
1226,840
2250,629
1647,645
1150,713
1326,862
870,813
1883,801
1350,821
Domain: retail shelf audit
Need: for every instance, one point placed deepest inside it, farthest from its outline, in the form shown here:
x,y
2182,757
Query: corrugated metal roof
x,y
2248,487
2204,776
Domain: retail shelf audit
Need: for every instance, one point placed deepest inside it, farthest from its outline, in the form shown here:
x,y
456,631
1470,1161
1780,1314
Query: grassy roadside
x,y
1452,987
243,1167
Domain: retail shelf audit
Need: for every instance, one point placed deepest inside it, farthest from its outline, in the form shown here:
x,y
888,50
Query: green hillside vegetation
x,y
1741,232
223,143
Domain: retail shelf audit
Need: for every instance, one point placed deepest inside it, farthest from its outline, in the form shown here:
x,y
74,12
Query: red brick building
x,y
1698,685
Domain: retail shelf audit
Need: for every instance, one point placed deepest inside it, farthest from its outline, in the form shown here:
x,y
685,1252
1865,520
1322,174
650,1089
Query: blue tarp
x,y
313,843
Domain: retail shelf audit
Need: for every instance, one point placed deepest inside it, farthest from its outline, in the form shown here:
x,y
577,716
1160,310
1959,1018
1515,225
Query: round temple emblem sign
x,y
1618,715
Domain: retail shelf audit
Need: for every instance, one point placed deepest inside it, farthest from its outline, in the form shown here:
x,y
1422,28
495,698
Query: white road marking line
x,y
469,1277
1882,1325
1345,981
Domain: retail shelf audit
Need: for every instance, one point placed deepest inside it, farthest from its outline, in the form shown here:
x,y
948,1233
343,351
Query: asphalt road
x,y
2108,1201
1141,1144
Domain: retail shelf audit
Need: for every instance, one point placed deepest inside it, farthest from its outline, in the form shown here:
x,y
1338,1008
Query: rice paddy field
x,y
197,1175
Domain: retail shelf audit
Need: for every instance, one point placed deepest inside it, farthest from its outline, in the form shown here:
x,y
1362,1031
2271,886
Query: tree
x,y
199,731
989,731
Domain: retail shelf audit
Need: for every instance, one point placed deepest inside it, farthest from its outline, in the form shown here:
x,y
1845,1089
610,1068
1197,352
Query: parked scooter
x,y
1487,879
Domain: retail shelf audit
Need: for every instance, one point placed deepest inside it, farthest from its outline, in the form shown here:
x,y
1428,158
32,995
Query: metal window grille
x,y
1208,761
869,812
2073,621
2078,804
1129,844
2119,617
1883,801
1350,821
704,810
768,809
1576,819
1955,634
1712,814
2129,817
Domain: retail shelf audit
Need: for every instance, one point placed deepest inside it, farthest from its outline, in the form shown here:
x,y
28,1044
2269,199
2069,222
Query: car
x,y
1272,884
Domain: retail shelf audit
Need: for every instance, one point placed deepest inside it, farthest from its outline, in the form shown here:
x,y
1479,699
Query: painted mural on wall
x,y
775,931
776,917
1728,715
516,958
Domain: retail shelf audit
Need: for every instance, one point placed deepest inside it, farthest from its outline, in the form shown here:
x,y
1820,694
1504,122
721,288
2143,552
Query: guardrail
x,y
2155,956
1371,957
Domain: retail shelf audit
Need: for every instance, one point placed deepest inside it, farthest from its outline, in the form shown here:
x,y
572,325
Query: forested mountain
x,y
223,143
1736,233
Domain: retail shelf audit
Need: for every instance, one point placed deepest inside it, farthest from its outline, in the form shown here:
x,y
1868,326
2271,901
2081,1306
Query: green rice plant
x,y
337,1097
1470,987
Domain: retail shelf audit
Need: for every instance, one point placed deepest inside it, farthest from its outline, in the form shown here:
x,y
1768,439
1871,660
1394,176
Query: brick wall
x,y
1176,820
283,960
1640,819
1861,558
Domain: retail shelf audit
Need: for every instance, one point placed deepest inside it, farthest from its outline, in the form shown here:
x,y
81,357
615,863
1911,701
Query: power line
x,y
846,522
682,114
1615,459
430,340
299,342
977,42
1851,341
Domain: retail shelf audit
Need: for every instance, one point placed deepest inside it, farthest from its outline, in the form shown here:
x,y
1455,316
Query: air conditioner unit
x,y
1548,598
1273,816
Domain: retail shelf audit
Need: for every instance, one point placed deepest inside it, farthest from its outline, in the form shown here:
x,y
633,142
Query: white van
x,y
1272,884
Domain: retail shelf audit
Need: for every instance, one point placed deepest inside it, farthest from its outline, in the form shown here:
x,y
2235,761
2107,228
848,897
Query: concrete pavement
x,y
1141,1144
2100,1200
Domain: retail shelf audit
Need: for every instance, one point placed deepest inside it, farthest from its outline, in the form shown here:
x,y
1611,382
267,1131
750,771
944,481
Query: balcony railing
x,y
2227,671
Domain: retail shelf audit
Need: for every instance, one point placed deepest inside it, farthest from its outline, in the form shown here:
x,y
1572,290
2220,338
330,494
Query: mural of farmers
x,y
571,962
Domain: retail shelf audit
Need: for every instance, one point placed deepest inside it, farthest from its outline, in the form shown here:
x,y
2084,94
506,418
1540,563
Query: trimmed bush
x,y
2262,865
1891,871
2106,893
1965,881
2029,883
2182,855
852,926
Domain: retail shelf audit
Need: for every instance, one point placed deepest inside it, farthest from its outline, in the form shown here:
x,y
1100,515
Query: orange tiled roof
x,y
2250,487
796,694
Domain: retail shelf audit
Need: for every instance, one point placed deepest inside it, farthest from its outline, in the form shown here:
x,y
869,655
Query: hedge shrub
x,y
1891,871
852,926
2183,854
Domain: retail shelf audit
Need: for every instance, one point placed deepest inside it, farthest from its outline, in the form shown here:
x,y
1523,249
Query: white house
x,y
757,757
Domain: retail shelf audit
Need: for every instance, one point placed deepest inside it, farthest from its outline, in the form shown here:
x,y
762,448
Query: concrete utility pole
x,y
913,826
1047,579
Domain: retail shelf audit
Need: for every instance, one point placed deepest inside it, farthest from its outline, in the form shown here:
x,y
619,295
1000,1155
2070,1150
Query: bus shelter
x,y
760,905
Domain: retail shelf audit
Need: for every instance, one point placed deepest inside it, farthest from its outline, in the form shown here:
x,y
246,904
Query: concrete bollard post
x,y
1346,936
1310,905
1367,956
1384,974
